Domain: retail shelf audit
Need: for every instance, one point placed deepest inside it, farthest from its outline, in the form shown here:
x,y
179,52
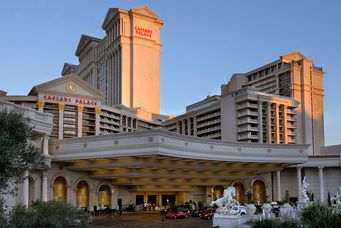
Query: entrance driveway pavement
x,y
147,220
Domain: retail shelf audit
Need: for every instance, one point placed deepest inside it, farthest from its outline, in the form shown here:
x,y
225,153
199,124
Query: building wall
x,y
125,64
229,126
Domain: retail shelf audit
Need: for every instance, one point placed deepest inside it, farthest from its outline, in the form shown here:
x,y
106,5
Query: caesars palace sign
x,y
142,30
69,100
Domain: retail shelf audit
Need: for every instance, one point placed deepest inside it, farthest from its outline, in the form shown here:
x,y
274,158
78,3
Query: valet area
x,y
161,168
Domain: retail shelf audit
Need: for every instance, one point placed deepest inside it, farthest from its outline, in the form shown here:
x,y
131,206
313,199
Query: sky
x,y
204,43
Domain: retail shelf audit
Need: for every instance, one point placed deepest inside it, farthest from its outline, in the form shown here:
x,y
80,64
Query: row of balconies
x,y
249,135
109,115
247,112
244,128
203,131
247,120
215,114
203,124
109,127
110,121
246,105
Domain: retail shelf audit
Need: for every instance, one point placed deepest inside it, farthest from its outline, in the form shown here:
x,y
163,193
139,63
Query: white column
x,y
299,179
277,123
285,124
321,184
194,125
269,123
26,189
46,145
97,124
188,126
278,179
44,187
80,121
61,120
260,122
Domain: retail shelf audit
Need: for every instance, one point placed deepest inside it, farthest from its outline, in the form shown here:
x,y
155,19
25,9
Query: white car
x,y
242,210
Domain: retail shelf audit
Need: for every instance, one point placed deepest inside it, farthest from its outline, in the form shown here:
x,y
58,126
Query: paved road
x,y
147,220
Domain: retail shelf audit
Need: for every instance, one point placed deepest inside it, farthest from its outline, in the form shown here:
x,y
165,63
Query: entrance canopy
x,y
159,160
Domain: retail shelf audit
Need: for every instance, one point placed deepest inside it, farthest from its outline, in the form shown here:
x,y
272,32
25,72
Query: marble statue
x,y
227,204
304,191
337,198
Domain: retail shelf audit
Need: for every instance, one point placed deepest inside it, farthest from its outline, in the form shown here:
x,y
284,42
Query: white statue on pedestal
x,y
266,210
227,204
337,198
304,191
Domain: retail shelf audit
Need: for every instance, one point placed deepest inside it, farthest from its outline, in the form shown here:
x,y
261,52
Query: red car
x,y
208,214
180,212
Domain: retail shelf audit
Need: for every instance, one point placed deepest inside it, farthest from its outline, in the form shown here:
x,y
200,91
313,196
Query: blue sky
x,y
204,42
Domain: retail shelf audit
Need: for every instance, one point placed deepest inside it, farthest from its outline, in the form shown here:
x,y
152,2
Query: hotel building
x,y
107,146
282,103
125,64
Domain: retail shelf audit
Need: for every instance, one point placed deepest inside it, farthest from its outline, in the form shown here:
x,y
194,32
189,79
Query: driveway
x,y
147,220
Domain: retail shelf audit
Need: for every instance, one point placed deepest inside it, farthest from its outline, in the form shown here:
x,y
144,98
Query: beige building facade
x,y
125,64
283,103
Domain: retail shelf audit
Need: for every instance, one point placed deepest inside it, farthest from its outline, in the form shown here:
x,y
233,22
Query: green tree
x,y
17,151
51,214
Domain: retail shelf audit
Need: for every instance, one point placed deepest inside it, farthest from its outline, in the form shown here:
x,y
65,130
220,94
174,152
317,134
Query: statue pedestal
x,y
230,221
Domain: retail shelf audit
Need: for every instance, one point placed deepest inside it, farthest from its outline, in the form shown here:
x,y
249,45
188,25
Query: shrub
x,y
317,216
50,214
269,223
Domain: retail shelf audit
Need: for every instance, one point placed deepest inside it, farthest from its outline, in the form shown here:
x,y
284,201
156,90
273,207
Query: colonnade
x,y
299,183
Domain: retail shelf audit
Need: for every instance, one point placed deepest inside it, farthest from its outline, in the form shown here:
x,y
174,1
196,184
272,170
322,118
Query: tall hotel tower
x,y
125,64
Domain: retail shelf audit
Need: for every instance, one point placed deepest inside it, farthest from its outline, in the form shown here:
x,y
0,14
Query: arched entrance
x,y
218,192
240,192
259,192
59,189
82,194
104,196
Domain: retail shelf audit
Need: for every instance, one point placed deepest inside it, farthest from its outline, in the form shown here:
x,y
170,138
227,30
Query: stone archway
x,y
240,192
104,196
259,191
82,194
217,192
60,189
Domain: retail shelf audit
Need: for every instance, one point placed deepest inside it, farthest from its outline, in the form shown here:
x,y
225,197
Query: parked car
x,y
179,212
208,214
242,210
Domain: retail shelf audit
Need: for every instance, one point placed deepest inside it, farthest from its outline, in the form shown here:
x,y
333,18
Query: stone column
x,y
299,180
44,187
278,180
98,112
46,145
61,120
321,183
268,140
189,126
40,105
80,120
26,186
277,123
183,126
195,126
260,122
285,124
